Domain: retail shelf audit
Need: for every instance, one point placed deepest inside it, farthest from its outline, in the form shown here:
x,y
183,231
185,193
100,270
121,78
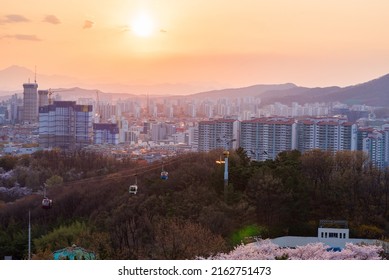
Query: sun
x,y
142,25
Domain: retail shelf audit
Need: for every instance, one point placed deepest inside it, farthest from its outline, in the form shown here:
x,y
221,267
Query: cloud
x,y
23,37
88,24
162,31
51,19
14,19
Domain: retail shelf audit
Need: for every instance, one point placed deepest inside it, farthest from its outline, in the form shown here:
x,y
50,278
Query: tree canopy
x,y
190,214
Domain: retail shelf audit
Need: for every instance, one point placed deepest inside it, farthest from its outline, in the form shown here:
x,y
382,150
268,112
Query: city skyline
x,y
205,44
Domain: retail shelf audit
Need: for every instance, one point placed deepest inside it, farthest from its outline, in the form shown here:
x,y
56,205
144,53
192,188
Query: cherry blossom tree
x,y
266,250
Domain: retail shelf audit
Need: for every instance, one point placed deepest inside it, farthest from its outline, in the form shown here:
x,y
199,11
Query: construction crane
x,y
51,91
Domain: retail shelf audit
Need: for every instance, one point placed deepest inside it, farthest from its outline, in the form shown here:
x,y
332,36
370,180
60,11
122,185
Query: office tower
x,y
105,133
265,138
220,133
30,103
65,124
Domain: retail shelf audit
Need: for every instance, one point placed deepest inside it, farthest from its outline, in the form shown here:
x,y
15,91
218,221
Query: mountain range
x,y
12,78
372,93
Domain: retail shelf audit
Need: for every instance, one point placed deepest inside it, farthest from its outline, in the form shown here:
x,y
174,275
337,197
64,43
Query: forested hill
x,y
373,93
190,214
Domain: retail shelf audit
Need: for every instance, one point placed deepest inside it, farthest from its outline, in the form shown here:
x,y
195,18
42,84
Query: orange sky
x,y
225,43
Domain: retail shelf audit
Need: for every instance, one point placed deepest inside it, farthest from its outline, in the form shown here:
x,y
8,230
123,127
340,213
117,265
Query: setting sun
x,y
142,25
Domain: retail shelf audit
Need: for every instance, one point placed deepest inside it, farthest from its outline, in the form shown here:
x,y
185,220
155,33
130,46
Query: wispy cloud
x,y
23,37
88,24
162,31
51,19
14,19
124,28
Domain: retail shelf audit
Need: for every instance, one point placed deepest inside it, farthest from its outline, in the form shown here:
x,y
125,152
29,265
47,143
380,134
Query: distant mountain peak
x,y
16,69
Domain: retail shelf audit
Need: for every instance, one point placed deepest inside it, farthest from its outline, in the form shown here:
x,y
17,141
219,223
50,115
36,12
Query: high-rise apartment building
x,y
362,133
161,130
30,103
219,133
374,146
65,124
265,138
328,134
14,108
193,137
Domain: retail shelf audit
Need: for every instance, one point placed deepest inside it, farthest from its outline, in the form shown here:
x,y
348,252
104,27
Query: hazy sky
x,y
234,43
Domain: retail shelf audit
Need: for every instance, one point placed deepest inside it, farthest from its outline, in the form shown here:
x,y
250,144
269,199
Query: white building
x,y
193,137
374,146
334,237
179,138
219,133
327,134
265,138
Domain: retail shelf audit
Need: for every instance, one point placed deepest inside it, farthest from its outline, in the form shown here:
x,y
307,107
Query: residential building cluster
x,y
265,138
178,124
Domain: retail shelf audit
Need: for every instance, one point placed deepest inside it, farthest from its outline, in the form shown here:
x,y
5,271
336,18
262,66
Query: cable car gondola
x,y
164,174
133,189
47,203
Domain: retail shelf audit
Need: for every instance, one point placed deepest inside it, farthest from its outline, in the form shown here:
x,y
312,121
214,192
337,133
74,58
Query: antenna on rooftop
x,y
35,75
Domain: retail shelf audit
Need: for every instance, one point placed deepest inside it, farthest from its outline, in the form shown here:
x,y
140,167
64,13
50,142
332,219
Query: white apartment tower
x,y
327,134
265,138
193,137
220,133
374,146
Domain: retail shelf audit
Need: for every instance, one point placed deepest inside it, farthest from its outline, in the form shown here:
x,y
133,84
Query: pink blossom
x,y
266,250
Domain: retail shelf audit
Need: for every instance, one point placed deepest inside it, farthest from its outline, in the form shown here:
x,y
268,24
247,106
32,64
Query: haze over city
x,y
199,45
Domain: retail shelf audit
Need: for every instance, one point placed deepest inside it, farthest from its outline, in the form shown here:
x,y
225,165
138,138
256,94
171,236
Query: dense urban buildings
x,y
194,124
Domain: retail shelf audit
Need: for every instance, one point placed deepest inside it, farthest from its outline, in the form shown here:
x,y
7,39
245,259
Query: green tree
x,y
61,237
269,196
54,180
